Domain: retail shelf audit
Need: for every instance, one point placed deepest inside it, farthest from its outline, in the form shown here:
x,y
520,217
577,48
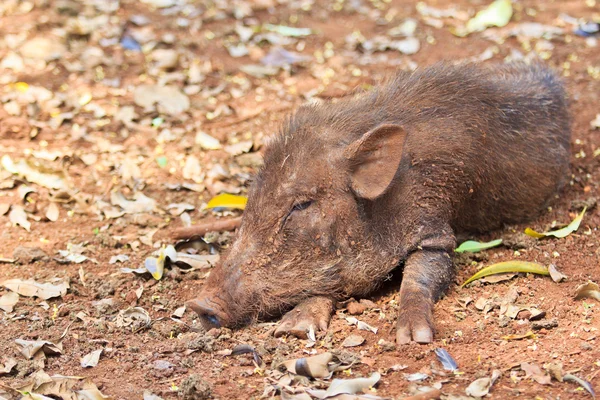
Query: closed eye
x,y
297,207
302,206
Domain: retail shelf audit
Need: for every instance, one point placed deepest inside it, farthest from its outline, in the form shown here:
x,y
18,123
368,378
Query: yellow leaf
x,y
496,14
559,233
527,335
509,266
226,200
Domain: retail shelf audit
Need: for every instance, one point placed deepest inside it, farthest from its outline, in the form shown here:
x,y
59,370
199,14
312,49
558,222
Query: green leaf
x,y
509,266
288,30
473,247
226,200
161,161
559,233
498,13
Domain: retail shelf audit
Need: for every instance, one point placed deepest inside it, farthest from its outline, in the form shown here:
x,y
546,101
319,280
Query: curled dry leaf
x,y
140,203
588,290
555,274
559,233
91,359
7,365
31,288
353,341
168,99
8,301
481,387
32,174
29,348
18,216
346,386
535,372
312,367
136,317
363,326
52,213
508,266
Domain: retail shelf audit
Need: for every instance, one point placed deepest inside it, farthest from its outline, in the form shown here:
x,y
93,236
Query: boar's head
x,y
305,230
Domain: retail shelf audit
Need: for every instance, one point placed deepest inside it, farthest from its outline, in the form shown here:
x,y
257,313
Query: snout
x,y
210,313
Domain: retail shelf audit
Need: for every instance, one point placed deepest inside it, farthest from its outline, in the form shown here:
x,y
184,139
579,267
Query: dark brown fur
x,y
472,148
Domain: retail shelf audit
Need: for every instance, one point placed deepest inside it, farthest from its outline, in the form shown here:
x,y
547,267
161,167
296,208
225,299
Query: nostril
x,y
212,319
207,314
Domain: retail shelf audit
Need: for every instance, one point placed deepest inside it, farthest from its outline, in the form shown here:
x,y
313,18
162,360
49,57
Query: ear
x,y
374,160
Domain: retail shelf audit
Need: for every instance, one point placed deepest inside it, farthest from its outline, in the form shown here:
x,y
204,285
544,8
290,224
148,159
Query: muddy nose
x,y
206,312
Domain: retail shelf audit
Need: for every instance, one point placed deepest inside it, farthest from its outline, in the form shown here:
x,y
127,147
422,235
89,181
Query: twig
x,y
432,394
224,124
202,229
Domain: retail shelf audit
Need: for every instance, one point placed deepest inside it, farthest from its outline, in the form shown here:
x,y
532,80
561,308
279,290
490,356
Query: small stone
x,y
386,345
195,388
28,255
545,324
586,346
355,308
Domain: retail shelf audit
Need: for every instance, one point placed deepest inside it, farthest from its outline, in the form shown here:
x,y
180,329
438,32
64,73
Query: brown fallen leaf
x,y
7,366
91,359
18,216
52,213
353,341
312,367
588,290
29,348
481,387
527,335
555,274
534,372
8,301
31,288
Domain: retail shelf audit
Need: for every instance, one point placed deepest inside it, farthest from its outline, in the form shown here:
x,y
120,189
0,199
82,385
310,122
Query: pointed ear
x,y
374,160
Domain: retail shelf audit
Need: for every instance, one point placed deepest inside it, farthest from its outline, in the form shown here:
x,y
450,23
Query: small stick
x,y
252,115
432,394
202,229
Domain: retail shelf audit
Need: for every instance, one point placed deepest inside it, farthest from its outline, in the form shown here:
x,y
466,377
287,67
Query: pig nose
x,y
207,313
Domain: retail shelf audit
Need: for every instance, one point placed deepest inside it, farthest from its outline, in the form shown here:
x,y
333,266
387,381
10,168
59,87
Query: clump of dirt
x,y
195,388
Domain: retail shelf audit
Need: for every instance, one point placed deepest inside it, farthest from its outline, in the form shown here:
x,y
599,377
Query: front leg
x,y
427,273
315,312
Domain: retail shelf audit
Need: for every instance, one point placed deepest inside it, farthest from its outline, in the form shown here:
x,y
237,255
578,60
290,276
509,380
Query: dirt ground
x,y
72,103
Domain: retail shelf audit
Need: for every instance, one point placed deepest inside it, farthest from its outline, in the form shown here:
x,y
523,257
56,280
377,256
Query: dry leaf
x,y
31,288
18,216
555,274
588,290
52,213
346,386
481,387
534,372
353,341
312,367
8,301
91,359
29,348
